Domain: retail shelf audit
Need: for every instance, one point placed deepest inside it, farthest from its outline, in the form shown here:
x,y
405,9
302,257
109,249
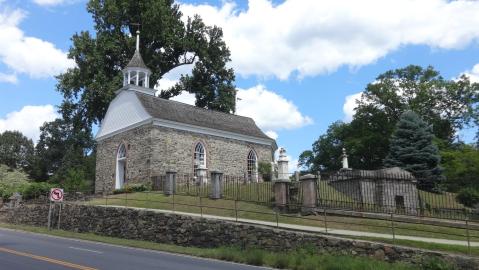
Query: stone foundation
x,y
176,229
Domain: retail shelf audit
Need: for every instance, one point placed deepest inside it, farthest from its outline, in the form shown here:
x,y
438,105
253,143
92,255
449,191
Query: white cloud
x,y
256,102
473,74
52,2
349,106
269,110
259,103
9,78
28,120
308,38
293,164
272,134
185,97
28,55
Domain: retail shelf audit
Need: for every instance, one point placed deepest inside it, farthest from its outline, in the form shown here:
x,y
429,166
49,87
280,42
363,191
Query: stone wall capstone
x,y
151,225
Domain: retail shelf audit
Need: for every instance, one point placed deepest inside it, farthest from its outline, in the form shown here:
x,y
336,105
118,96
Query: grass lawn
x,y
306,258
263,212
474,251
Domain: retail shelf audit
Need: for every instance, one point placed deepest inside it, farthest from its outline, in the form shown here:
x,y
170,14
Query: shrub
x,y
264,168
11,181
35,190
468,196
131,188
75,181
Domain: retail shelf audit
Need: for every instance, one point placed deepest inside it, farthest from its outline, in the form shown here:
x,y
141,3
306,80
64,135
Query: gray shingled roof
x,y
137,61
187,114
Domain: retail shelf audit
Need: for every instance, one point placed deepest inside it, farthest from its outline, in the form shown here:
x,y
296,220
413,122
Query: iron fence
x,y
361,191
397,193
324,220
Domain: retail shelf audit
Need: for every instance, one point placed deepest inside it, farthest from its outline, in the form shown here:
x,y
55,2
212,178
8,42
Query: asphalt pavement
x,y
26,251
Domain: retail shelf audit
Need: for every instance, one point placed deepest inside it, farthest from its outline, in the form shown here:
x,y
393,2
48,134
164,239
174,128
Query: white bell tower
x,y
136,74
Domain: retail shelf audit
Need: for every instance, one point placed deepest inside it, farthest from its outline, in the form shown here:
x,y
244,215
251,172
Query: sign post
x,y
56,196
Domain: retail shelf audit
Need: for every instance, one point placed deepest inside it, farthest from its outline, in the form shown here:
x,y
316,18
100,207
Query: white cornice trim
x,y
190,128
211,132
146,121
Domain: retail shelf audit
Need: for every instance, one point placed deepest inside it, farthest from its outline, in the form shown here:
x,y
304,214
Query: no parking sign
x,y
56,195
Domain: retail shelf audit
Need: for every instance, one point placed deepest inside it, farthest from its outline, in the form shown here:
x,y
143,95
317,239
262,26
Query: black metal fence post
x,y
236,211
392,227
201,207
173,202
277,218
468,237
325,220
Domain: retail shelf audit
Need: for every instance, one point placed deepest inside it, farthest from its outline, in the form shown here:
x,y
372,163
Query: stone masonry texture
x,y
150,225
153,150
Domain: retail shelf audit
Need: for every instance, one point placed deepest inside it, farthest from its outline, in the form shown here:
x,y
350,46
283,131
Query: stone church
x,y
143,136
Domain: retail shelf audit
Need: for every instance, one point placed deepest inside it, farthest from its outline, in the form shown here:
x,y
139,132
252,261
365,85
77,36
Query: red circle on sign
x,y
56,194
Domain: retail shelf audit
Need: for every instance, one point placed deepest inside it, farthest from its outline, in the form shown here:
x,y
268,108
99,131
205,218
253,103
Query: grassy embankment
x,y
248,210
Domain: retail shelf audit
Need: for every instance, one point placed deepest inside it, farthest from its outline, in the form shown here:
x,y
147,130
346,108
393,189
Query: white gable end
x,y
125,111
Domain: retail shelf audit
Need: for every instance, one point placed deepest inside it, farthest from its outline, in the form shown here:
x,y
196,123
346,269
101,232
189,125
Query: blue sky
x,y
296,61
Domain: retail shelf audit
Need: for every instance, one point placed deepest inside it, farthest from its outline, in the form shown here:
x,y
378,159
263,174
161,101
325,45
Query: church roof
x,y
188,114
137,61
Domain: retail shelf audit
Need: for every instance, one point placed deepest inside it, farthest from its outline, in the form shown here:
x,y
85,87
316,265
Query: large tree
x,y
448,105
461,167
16,150
412,148
60,148
167,42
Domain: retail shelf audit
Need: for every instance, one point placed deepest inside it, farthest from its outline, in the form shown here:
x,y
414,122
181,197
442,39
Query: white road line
x,y
88,250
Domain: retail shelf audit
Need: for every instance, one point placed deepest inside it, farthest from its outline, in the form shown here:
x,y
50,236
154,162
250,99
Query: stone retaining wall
x,y
183,230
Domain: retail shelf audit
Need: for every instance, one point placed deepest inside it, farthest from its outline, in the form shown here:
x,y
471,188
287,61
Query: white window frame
x,y
199,157
252,166
120,172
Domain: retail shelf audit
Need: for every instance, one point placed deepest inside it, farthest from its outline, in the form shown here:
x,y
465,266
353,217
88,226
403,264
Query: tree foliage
x,y
448,105
16,150
412,147
60,148
461,167
167,42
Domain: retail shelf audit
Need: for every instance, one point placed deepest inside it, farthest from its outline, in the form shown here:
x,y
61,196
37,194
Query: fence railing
x,y
331,221
362,191
398,193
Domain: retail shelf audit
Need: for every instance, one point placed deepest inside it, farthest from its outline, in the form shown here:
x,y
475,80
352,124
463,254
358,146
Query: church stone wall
x,y
153,150
173,150
137,142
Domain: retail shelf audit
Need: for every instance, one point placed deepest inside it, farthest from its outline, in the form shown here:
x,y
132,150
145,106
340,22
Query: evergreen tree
x,y
411,148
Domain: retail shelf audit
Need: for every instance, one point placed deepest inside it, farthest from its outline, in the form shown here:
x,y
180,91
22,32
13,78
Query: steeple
x,y
136,72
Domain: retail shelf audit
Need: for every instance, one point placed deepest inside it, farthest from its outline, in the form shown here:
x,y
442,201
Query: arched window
x,y
252,166
199,157
120,167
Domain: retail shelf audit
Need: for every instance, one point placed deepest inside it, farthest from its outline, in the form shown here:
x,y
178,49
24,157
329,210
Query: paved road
x,y
26,251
